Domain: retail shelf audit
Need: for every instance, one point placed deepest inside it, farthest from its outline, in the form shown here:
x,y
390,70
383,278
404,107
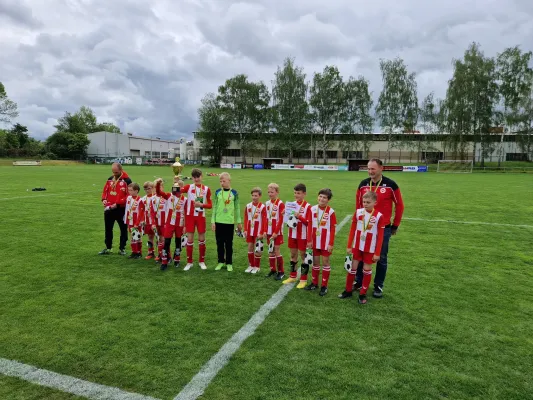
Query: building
x,y
113,145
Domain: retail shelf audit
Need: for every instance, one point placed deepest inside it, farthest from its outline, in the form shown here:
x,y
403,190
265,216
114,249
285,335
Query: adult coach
x,y
388,194
114,198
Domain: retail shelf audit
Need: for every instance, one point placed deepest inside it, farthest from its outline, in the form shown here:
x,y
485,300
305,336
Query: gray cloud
x,y
146,65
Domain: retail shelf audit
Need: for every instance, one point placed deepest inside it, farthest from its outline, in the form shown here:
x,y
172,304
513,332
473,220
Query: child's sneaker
x,y
323,291
176,263
255,270
249,269
271,273
362,299
301,285
289,280
280,276
149,256
345,295
158,258
105,252
229,267
188,266
311,286
202,265
133,255
219,266
122,252
163,267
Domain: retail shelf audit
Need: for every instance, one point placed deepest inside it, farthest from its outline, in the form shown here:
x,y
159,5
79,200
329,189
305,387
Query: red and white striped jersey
x,y
304,219
255,219
175,210
149,215
367,240
133,214
197,193
159,209
322,227
275,211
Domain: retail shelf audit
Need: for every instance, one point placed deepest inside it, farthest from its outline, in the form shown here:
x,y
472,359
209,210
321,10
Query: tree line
x,y
483,94
69,141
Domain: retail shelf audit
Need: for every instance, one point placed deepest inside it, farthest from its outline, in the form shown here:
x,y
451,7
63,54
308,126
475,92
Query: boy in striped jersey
x,y
321,238
298,236
148,223
159,209
255,222
275,212
364,243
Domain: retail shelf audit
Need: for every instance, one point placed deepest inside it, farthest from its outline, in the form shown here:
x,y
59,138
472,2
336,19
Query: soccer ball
x,y
308,258
348,263
259,246
136,236
292,222
271,246
183,241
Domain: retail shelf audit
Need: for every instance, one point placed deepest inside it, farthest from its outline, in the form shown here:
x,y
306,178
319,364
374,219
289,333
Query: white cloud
x,y
146,65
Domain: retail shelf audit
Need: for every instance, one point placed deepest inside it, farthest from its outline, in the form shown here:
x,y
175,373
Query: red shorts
x,y
173,231
278,241
365,257
300,244
323,253
160,230
251,239
148,230
193,223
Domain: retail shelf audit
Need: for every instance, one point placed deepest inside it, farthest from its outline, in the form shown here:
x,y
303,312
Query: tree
x,y
68,144
470,101
429,118
327,103
214,127
525,127
8,108
246,107
514,75
83,121
290,110
356,118
19,132
107,127
397,106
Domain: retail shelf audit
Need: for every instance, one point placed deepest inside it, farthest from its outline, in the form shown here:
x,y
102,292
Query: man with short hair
x,y
114,198
388,194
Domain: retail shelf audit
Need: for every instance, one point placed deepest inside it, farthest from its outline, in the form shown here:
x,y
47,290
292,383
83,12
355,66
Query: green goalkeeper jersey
x,y
226,207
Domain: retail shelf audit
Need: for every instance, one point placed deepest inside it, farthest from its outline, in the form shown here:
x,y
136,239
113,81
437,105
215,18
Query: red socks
x,y
367,277
251,259
280,264
189,252
272,263
294,273
257,261
315,274
350,278
160,248
325,275
201,249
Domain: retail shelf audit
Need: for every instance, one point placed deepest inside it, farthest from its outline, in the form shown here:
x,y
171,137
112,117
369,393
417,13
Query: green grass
x,y
455,321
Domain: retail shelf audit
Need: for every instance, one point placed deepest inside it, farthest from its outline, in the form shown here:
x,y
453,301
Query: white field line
x,y
196,387
467,222
66,383
45,195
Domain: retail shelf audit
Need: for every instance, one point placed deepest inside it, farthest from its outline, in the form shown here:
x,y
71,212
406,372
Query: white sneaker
x,y
255,270
249,269
188,267
202,265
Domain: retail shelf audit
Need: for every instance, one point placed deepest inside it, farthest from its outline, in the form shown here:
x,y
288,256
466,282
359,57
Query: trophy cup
x,y
177,167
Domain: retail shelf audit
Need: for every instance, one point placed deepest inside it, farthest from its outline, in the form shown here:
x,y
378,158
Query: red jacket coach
x,y
389,198
114,198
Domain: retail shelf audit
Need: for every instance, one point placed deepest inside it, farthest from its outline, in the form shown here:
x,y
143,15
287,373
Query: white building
x,y
107,144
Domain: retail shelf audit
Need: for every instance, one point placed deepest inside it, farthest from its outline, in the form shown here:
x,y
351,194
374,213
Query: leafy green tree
x,y
8,108
214,128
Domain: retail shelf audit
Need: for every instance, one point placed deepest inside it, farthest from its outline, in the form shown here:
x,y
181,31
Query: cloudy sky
x,y
145,65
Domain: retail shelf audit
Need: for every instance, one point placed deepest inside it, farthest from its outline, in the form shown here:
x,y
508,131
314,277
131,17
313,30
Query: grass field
x,y
455,321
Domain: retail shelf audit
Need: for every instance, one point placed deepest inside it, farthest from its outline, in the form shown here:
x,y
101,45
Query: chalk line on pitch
x,y
66,383
196,387
467,222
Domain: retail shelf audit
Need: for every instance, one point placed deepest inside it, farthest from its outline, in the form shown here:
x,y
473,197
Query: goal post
x,y
455,166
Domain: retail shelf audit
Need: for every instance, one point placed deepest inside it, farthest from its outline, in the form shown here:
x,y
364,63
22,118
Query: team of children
x,y
311,230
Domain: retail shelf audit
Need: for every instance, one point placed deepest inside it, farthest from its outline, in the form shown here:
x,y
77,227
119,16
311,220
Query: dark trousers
x,y
224,236
381,267
110,216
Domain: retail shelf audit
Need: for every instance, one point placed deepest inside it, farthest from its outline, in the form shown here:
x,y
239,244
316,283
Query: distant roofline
x,y
177,141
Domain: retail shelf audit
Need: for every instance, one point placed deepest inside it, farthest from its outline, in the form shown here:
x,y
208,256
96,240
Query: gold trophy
x,y
177,167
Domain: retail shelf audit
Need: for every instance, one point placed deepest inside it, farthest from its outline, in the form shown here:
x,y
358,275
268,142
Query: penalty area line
x,y
196,387
66,383
467,222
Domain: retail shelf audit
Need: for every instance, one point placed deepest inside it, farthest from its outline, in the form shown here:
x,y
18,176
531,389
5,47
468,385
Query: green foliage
x,y
68,145
245,105
290,111
214,128
8,108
